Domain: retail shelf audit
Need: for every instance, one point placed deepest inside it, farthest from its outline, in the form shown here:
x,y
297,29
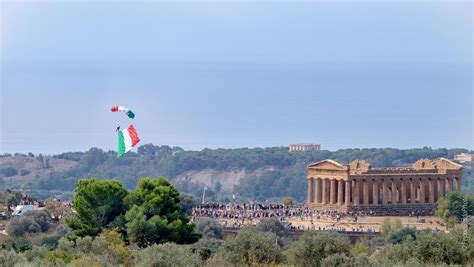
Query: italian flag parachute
x,y
127,139
125,110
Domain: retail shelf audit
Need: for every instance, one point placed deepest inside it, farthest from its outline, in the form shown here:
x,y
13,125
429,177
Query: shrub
x,y
107,248
24,172
50,242
251,247
401,235
36,252
206,248
288,201
18,244
166,255
343,260
210,228
10,258
8,171
272,225
30,222
313,246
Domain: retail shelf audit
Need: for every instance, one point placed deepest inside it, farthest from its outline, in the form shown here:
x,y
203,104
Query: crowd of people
x,y
250,211
237,215
234,215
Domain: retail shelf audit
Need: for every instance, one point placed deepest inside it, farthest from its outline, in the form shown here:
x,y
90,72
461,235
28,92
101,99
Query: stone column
x,y
355,194
332,195
384,192
413,187
441,183
450,184
348,193
340,192
403,195
394,192
324,199
431,193
458,183
317,185
375,192
422,191
310,190
366,192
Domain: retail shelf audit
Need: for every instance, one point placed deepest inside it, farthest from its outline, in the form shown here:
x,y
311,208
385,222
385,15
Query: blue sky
x,y
236,74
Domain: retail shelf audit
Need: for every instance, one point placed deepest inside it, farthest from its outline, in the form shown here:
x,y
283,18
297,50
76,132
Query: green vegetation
x,y
272,225
8,171
154,215
210,228
285,175
30,222
289,201
97,204
313,247
251,247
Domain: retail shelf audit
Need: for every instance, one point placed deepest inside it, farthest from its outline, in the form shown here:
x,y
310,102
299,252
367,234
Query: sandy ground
x,y
373,223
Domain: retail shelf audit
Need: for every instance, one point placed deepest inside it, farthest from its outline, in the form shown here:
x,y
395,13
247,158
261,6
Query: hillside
x,y
28,168
258,174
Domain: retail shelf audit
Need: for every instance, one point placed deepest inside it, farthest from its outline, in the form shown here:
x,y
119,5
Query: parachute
x,y
127,139
125,110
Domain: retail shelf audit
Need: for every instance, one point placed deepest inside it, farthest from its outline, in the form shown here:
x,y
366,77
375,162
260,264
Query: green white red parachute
x,y
127,138
125,110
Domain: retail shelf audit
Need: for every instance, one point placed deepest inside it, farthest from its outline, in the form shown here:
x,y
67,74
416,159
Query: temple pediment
x,y
328,164
444,163
359,166
439,163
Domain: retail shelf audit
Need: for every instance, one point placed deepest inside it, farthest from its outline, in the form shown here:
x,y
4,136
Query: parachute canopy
x,y
127,139
125,110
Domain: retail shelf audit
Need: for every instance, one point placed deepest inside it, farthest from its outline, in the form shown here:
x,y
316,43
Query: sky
x,y
228,74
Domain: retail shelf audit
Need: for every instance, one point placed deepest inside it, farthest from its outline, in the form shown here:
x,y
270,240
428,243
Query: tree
x,y
251,247
186,202
58,211
443,213
12,198
154,215
388,226
217,189
288,201
97,204
439,247
210,228
107,249
313,246
360,248
9,171
460,205
272,225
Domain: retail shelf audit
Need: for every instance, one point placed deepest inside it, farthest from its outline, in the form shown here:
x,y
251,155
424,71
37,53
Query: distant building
x,y
304,147
464,157
357,186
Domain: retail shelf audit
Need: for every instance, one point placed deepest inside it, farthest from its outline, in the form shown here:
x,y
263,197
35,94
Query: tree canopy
x,y
154,214
97,204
